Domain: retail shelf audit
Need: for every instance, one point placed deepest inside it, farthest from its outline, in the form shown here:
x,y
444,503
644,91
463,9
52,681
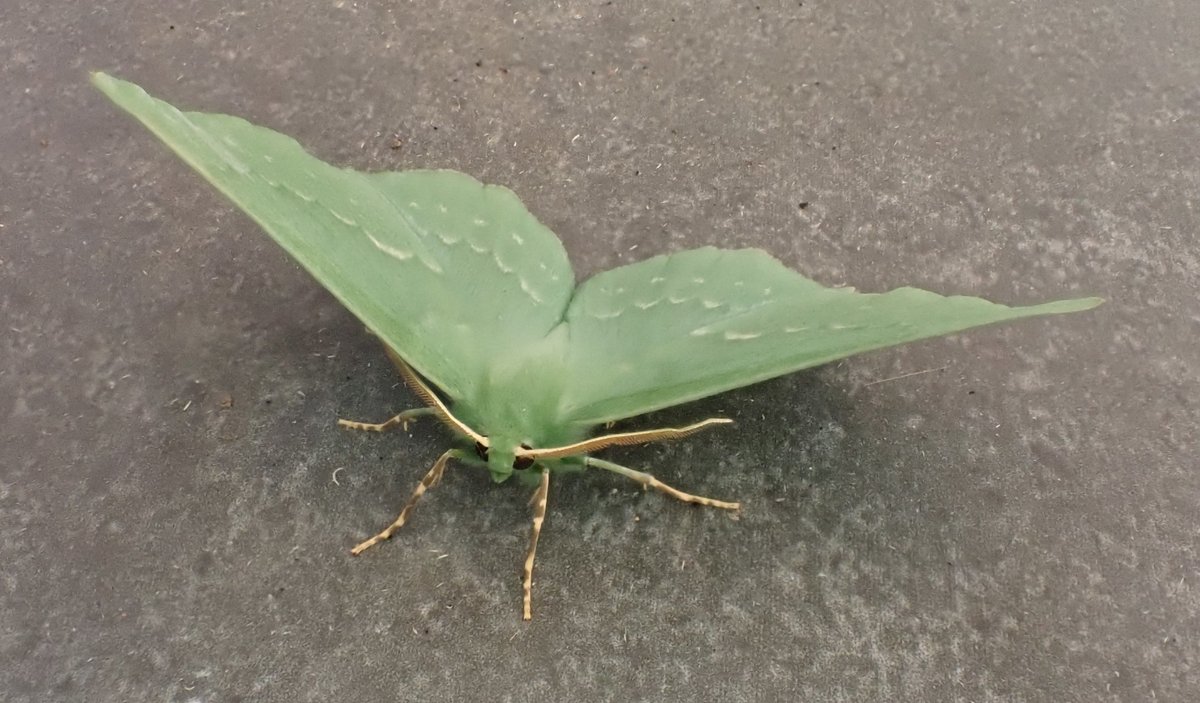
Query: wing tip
x,y
1058,307
103,82
124,94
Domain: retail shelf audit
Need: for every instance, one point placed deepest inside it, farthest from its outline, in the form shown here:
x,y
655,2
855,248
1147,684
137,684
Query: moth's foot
x,y
677,494
647,482
430,480
400,420
364,546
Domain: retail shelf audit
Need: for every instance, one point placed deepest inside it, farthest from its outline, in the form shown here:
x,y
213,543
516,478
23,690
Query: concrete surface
x,y
1017,523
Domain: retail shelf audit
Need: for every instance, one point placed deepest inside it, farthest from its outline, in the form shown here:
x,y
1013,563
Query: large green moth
x,y
476,304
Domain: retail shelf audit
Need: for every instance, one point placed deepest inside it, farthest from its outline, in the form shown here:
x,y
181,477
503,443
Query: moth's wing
x,y
676,328
447,271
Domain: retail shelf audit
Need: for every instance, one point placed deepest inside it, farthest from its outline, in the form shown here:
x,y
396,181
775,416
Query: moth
x,y
476,304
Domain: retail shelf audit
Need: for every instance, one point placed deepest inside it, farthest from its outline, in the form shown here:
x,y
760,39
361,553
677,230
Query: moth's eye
x,y
481,451
523,462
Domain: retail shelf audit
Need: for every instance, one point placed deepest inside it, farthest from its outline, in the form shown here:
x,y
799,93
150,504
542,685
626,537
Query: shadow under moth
x,y
477,306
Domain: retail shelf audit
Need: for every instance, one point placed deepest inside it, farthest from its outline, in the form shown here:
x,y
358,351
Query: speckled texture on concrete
x,y
1019,523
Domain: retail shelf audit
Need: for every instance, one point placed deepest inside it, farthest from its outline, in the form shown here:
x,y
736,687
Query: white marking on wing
x,y
657,279
503,266
397,254
414,205
675,301
647,306
343,218
606,315
844,326
793,330
268,158
479,222
732,336
517,238
442,208
710,304
478,248
529,290
697,280
701,331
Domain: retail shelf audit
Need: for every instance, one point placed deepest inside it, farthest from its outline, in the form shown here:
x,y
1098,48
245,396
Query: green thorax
x,y
518,401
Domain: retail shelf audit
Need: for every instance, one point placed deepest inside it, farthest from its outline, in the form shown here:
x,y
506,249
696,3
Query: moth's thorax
x,y
519,395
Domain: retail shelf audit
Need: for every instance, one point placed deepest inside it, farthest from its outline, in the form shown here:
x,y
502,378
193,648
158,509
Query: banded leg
x,y
431,479
539,516
623,439
649,481
400,420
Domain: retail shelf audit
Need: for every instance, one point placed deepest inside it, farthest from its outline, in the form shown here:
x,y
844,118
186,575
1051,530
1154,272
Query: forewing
x,y
676,328
446,270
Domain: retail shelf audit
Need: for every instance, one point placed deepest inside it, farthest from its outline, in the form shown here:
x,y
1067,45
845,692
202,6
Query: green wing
x,y
676,328
447,271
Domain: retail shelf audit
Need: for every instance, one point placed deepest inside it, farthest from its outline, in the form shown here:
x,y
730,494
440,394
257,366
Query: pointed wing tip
x,y
1064,306
103,81
119,91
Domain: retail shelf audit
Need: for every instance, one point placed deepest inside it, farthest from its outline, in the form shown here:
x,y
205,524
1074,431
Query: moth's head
x,y
503,456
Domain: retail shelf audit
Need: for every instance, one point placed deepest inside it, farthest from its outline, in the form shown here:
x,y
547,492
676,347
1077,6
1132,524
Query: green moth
x,y
476,304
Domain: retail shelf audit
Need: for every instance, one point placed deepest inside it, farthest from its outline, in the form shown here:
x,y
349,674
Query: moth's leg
x,y
539,516
425,393
431,479
649,481
400,420
623,439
